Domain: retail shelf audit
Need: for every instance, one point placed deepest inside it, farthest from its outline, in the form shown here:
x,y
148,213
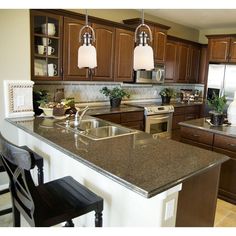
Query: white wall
x,y
14,52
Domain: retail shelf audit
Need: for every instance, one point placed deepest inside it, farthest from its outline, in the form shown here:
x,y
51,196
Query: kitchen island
x,y
137,176
221,139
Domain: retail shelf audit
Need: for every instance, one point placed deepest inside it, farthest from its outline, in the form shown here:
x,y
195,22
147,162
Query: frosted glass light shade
x,y
231,112
143,58
87,56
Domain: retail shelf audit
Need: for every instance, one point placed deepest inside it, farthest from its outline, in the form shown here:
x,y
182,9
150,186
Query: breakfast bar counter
x,y
126,170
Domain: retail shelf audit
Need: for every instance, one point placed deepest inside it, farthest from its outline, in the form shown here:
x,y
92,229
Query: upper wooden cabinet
x,y
46,46
159,33
182,61
70,50
159,45
105,41
124,50
171,61
222,48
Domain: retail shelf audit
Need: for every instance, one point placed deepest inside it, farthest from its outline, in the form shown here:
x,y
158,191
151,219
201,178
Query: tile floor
x,y
225,213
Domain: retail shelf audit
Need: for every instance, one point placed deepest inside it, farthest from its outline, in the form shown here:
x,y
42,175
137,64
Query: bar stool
x,y
4,191
47,204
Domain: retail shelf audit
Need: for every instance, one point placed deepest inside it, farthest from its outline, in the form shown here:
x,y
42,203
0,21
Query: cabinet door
x,y
219,49
227,186
105,38
124,52
159,46
203,65
71,45
232,55
193,63
171,61
183,63
46,45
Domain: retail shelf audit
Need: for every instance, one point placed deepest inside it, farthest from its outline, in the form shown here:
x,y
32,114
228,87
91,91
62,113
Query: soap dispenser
x,y
231,112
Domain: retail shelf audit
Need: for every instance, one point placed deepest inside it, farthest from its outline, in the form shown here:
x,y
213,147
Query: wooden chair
x,y
4,191
46,204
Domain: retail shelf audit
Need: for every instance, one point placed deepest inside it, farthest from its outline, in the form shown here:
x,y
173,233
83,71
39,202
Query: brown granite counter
x,y
203,124
138,162
101,110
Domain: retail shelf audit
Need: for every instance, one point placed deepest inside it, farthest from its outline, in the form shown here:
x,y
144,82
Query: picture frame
x,y
18,98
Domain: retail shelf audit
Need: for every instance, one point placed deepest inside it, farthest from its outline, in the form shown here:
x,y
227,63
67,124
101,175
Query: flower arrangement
x,y
167,92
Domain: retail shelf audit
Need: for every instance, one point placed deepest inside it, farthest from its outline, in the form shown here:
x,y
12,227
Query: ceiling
x,y
198,18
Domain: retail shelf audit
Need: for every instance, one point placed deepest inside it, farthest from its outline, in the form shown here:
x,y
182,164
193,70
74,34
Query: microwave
x,y
157,75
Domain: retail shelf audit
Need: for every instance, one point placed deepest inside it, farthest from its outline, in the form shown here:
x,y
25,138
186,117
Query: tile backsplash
x,y
89,93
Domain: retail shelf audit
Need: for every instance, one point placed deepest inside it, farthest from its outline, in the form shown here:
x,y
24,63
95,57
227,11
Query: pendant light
x,y
87,55
143,53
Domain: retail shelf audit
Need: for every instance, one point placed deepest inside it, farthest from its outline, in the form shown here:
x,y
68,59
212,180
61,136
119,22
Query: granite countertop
x,y
101,110
203,124
186,104
140,163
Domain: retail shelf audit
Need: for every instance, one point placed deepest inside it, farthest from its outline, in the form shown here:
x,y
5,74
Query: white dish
x,y
40,67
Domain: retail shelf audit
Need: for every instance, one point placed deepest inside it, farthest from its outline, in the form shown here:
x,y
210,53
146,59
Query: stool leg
x,y
16,217
98,219
69,223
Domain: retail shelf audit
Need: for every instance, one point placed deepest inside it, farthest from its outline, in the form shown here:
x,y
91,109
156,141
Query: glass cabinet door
x,y
46,46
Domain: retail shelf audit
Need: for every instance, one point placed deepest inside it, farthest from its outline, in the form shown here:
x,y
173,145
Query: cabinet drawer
x,y
201,145
192,109
132,116
134,125
111,117
176,119
225,142
179,110
197,135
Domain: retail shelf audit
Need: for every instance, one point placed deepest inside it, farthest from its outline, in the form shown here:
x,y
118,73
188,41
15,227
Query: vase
x,y
165,99
115,102
231,112
217,118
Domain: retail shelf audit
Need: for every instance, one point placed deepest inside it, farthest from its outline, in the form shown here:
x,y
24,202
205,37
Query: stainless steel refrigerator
x,y
222,81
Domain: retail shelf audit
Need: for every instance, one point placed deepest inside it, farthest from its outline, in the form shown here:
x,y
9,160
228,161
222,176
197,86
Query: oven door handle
x,y
160,118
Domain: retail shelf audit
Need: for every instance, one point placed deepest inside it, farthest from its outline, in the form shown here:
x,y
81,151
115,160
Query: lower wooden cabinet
x,y
185,113
221,144
133,120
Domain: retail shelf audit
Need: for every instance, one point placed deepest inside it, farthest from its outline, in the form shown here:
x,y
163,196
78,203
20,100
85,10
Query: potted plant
x,y
166,94
116,94
218,104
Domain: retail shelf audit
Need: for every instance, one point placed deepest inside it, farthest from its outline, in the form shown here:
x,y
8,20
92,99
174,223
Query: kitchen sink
x,y
108,132
96,129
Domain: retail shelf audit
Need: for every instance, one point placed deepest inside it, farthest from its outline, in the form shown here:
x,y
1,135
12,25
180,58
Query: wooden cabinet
x,y
134,120
104,43
222,48
159,45
171,61
124,50
71,45
203,67
159,33
182,61
221,144
185,113
46,46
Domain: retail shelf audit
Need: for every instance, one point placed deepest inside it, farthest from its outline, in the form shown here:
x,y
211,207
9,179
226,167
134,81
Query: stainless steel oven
x,y
158,118
159,125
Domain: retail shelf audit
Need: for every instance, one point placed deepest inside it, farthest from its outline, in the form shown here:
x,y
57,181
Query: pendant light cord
x,y
142,16
86,17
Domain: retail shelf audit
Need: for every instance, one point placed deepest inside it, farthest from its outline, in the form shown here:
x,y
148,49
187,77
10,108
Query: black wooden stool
x,y
38,163
8,210
46,204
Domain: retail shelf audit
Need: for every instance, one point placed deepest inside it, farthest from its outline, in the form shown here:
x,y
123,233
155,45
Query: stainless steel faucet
x,y
78,117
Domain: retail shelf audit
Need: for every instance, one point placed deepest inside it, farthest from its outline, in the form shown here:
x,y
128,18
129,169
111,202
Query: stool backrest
x,y
18,163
